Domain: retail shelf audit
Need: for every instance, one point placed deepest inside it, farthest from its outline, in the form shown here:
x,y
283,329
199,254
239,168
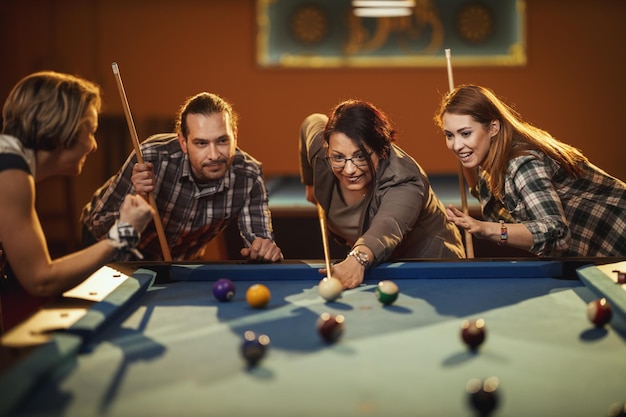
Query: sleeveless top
x,y
15,303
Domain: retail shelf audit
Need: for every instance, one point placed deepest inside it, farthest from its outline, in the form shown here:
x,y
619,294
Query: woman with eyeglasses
x,y
377,199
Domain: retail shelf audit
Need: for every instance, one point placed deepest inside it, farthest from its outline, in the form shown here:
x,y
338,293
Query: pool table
x,y
169,348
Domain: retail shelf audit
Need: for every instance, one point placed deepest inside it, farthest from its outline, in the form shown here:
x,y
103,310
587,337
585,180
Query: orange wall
x,y
573,84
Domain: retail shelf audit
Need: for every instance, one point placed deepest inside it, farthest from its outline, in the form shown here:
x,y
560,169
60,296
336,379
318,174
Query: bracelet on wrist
x,y
504,234
361,257
124,237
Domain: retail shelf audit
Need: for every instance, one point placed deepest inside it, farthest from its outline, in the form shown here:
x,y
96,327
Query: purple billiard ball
x,y
254,348
599,312
330,327
224,289
473,333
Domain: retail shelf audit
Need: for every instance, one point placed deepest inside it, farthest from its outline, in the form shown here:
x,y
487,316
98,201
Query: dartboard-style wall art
x,y
387,33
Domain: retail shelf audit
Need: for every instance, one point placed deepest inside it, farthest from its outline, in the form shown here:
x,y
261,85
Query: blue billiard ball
x,y
254,348
224,289
483,395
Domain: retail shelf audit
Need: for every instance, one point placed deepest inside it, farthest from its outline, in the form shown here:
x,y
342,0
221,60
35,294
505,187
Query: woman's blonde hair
x,y
46,109
515,137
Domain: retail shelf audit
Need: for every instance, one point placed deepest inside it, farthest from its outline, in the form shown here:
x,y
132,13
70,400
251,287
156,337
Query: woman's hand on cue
x,y
143,179
349,271
466,222
136,211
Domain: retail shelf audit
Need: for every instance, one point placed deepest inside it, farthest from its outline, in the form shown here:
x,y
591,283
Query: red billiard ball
x,y
330,327
254,348
224,289
258,296
330,288
473,333
483,395
387,292
599,312
620,276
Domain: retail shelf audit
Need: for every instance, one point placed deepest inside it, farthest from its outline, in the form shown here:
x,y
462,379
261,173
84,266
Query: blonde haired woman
x,y
536,193
49,123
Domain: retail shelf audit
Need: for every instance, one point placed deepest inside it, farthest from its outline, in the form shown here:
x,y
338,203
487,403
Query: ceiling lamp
x,y
382,8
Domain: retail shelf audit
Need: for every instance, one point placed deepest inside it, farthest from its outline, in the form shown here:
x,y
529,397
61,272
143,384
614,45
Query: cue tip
x,y
447,53
115,69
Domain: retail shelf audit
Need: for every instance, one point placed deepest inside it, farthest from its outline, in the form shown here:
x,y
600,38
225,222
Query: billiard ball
x,y
387,292
473,333
224,289
617,409
620,277
483,395
599,312
254,348
258,296
330,327
330,288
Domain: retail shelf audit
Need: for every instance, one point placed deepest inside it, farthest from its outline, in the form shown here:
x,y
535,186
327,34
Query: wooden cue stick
x,y
322,217
133,133
469,243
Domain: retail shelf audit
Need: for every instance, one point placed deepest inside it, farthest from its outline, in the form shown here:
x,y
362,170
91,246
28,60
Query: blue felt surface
x,y
603,286
31,365
34,366
177,353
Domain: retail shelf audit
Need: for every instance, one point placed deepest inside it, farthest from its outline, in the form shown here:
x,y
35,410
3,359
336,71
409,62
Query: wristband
x,y
504,234
124,237
361,257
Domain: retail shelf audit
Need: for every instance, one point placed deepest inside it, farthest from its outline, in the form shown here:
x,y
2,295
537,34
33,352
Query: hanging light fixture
x,y
382,8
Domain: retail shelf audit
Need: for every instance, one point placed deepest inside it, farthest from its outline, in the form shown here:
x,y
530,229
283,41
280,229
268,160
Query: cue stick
x,y
469,243
322,217
133,133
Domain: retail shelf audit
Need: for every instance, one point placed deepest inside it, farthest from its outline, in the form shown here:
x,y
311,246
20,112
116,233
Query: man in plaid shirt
x,y
200,181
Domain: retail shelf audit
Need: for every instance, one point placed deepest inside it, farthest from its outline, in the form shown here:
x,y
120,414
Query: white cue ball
x,y
330,288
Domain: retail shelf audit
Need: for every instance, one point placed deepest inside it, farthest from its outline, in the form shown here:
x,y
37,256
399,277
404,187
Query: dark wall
x,y
573,84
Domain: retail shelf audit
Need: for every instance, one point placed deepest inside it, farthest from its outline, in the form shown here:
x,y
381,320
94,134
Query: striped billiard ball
x,y
387,292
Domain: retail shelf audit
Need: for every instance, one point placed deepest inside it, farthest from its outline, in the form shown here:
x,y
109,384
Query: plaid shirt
x,y
567,216
192,214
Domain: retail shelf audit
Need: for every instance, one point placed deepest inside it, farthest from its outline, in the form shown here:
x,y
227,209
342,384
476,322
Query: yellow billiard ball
x,y
258,296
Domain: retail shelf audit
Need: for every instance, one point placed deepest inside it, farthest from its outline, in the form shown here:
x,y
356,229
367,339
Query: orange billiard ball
x,y
258,296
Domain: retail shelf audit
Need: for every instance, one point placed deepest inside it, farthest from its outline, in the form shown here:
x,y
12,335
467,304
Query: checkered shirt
x,y
192,214
567,216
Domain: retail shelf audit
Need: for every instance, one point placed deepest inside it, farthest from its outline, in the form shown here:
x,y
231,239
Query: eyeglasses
x,y
339,162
